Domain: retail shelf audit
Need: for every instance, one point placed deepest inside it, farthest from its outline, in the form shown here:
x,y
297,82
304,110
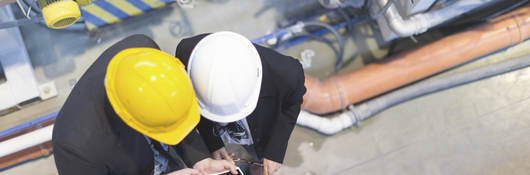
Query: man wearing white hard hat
x,y
249,94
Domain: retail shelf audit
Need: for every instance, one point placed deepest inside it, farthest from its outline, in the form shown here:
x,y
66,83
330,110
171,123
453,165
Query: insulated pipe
x,y
422,22
26,141
365,110
337,92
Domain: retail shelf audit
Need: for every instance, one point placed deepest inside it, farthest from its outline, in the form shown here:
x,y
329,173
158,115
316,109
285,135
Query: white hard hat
x,y
225,69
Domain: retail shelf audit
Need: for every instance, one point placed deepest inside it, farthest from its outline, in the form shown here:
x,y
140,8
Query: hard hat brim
x,y
177,135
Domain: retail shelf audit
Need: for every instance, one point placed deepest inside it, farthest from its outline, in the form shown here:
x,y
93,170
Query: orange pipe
x,y
337,92
37,151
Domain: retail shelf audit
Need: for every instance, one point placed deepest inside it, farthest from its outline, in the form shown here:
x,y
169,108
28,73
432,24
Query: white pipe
x,y
328,126
28,140
420,23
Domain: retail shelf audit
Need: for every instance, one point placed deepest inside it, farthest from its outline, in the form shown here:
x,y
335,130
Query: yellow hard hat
x,y
151,92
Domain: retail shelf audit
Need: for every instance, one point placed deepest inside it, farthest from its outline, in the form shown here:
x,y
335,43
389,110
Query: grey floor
x,y
479,128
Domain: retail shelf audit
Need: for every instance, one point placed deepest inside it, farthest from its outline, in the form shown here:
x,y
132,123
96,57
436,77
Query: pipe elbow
x,y
327,126
405,28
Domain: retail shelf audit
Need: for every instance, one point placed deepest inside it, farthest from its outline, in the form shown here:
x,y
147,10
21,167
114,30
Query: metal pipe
x,y
420,23
28,140
337,92
330,126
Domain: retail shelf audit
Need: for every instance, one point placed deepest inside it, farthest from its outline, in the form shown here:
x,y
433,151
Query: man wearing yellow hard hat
x,y
126,114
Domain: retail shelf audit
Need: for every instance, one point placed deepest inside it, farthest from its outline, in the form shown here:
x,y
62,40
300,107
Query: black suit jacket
x,y
89,138
280,98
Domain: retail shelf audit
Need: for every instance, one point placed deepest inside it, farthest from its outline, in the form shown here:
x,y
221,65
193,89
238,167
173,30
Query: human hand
x,y
210,166
223,154
187,171
270,167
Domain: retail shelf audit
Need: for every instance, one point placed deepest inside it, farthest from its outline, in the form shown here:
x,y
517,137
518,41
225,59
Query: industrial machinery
x,y
83,14
354,94
481,30
17,83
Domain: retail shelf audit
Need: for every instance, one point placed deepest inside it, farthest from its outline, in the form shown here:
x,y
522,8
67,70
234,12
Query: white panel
x,y
21,84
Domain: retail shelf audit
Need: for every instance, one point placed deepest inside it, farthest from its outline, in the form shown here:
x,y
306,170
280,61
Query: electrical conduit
x,y
337,92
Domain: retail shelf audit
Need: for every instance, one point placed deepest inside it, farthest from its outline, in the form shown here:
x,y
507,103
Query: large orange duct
x,y
339,91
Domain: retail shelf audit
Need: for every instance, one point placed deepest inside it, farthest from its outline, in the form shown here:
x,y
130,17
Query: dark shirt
x,y
280,98
89,138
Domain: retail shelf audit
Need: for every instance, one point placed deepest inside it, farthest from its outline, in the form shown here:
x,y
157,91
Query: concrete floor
x,y
479,128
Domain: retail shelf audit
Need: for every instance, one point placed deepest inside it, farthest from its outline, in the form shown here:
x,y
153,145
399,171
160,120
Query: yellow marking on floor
x,y
101,13
126,7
